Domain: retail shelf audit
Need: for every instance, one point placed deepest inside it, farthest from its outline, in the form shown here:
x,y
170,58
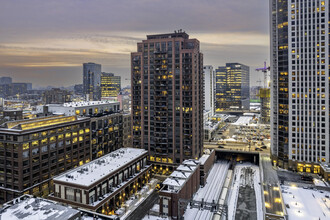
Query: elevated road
x,y
274,205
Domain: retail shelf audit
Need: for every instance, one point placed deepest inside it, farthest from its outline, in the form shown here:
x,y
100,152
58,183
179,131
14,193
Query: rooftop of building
x,y
180,176
95,170
204,158
243,120
172,181
29,124
28,208
176,34
212,125
89,103
186,168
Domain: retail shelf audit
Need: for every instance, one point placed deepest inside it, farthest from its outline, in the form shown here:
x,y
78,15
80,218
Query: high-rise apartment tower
x,y
167,97
300,84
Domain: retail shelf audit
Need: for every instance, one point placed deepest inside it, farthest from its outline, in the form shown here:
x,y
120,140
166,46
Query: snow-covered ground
x,y
152,217
243,120
210,192
198,214
214,182
239,180
318,182
306,204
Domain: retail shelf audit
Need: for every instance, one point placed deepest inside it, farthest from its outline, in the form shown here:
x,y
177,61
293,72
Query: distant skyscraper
x,y
232,87
167,97
79,89
110,85
300,84
5,80
92,81
56,96
209,84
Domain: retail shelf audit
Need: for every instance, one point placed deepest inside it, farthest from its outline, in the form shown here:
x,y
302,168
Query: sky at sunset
x,y
46,41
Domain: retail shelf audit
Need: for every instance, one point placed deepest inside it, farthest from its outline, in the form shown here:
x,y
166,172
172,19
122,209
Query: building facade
x,y
127,130
33,151
167,97
232,87
92,81
110,85
106,134
56,96
183,183
209,89
300,84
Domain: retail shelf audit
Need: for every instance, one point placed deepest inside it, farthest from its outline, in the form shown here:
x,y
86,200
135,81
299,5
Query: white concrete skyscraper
x,y
209,82
300,83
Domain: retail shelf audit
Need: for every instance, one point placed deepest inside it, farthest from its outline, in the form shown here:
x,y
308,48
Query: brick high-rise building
x,y
168,97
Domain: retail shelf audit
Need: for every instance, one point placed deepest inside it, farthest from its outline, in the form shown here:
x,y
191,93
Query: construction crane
x,y
265,70
264,94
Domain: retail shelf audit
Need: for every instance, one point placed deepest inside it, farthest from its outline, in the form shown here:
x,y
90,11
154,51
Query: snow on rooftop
x,y
171,181
306,204
204,158
186,168
190,162
37,209
178,178
95,170
180,174
90,103
243,120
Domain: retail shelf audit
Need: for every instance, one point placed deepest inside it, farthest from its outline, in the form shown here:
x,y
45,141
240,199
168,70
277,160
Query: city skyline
x,y
44,42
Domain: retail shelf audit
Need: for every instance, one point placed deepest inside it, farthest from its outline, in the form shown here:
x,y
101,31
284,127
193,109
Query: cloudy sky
x,y
46,41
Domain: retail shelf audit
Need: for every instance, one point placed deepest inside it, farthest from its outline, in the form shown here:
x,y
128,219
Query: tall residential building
x,y
110,85
209,84
300,84
92,81
232,87
167,97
